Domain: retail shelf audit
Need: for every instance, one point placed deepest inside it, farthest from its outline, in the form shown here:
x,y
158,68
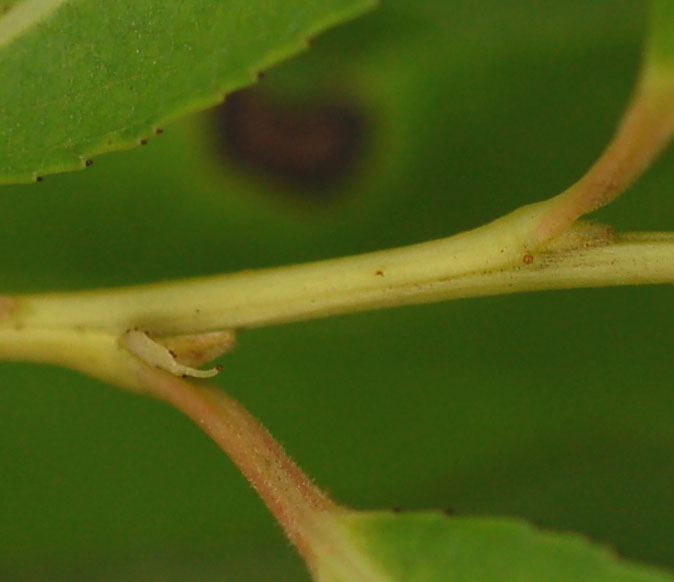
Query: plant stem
x,y
296,503
94,353
646,128
306,514
264,297
436,271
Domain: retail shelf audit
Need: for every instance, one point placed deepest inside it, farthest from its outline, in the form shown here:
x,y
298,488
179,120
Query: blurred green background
x,y
557,407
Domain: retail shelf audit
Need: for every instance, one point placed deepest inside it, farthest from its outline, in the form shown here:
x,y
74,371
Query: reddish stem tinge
x,y
301,508
644,131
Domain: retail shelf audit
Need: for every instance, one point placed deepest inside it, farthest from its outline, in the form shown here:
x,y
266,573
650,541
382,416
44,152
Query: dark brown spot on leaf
x,y
307,145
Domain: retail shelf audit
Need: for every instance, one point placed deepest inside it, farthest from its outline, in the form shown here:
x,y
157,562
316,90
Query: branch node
x,y
182,349
198,349
584,234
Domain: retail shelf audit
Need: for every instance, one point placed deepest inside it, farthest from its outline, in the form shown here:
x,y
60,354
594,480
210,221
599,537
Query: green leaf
x,y
82,78
432,547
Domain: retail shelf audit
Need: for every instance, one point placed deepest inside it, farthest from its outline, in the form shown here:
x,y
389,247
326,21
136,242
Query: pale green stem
x,y
633,259
364,282
310,519
94,353
257,298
